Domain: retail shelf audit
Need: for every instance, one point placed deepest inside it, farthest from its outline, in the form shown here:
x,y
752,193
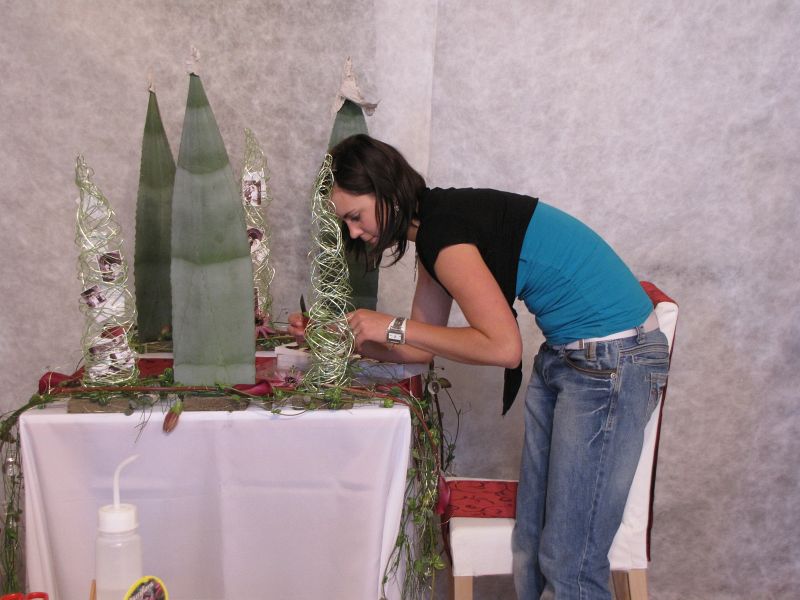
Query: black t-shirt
x,y
495,222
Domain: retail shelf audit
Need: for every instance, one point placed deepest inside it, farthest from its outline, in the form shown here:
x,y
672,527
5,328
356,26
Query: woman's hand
x,y
368,326
297,326
491,337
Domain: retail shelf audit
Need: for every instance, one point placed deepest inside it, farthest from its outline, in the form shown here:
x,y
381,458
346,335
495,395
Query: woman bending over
x,y
595,381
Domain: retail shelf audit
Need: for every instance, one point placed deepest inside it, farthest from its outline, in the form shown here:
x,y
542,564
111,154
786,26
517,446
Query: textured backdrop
x,y
670,127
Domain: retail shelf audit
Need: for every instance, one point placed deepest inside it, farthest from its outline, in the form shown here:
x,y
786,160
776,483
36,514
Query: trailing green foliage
x,y
417,554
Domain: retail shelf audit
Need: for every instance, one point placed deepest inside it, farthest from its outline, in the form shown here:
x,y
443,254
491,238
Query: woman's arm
x,y
431,305
492,337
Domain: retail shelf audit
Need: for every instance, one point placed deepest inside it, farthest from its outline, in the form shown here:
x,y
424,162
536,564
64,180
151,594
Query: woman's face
x,y
358,213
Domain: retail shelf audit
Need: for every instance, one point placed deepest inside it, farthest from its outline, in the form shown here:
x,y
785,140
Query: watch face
x,y
394,337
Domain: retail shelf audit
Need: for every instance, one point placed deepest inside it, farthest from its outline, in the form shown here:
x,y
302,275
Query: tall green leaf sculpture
x,y
350,107
212,278
153,228
349,121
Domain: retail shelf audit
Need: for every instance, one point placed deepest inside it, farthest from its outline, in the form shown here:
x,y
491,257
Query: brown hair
x,y
364,165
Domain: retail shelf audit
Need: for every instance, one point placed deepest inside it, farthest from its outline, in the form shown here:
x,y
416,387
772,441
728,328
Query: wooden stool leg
x,y
461,588
629,585
637,580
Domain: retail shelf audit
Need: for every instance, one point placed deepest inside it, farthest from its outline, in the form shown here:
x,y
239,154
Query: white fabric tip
x,y
193,62
349,90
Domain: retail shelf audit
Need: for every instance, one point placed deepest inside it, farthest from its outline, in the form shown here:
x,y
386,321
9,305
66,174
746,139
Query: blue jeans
x,y
585,414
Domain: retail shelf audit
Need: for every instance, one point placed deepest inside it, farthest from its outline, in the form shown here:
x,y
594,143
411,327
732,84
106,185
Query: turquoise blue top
x,y
573,282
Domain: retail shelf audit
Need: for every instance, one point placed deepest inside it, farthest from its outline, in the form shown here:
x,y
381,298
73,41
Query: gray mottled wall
x,y
670,127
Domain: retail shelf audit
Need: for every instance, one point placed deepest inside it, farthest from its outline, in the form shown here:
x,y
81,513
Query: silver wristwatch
x,y
396,332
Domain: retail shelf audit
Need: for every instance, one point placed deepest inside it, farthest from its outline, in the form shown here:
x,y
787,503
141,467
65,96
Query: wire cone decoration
x,y
105,300
328,336
256,198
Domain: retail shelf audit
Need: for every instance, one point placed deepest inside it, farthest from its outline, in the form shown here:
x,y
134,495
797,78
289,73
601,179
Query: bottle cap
x,y
117,517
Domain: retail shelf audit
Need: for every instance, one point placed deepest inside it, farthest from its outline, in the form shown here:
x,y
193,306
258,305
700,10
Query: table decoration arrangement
x,y
417,552
203,276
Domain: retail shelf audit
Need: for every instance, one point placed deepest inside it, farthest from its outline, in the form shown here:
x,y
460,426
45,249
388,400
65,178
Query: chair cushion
x,y
481,546
481,498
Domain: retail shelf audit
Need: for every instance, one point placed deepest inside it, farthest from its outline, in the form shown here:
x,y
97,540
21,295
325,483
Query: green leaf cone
x,y
212,278
350,121
153,228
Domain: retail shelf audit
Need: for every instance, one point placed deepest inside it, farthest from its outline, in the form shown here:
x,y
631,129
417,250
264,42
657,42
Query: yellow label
x,y
148,587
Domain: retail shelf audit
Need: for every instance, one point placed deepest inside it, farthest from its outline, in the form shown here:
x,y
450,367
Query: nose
x,y
354,230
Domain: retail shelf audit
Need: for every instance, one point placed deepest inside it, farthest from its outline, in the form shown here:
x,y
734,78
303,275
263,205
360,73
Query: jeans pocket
x,y
650,354
658,382
578,362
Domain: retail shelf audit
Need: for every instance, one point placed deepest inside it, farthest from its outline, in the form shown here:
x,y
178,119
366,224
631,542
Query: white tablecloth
x,y
231,505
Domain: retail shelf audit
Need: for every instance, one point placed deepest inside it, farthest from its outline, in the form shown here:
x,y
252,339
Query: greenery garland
x,y
418,547
11,576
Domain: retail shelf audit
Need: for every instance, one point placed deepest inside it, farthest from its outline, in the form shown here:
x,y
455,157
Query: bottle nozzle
x,y
121,465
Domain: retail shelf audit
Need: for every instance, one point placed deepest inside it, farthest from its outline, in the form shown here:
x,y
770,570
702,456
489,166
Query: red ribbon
x,y
444,495
52,380
262,387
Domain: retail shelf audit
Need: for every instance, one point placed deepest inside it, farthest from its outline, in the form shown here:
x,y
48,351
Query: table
x,y
235,505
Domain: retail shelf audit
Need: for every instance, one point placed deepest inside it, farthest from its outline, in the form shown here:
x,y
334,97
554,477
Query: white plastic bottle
x,y
118,549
